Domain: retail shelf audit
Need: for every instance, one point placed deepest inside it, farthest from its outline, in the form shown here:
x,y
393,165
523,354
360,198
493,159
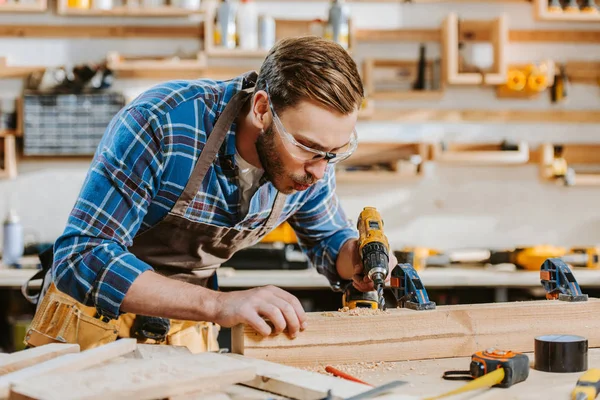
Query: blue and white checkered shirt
x,y
140,169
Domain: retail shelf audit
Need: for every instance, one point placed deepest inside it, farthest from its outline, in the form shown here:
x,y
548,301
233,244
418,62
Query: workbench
x,y
498,279
424,379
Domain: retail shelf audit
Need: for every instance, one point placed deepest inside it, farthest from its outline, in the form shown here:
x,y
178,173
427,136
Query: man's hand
x,y
351,256
250,306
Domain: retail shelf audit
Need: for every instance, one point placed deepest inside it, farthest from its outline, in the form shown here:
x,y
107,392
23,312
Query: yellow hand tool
x,y
374,250
588,386
490,368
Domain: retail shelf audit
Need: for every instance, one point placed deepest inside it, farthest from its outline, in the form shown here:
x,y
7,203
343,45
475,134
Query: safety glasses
x,y
305,153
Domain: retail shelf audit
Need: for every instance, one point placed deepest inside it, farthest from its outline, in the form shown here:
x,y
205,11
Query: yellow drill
x,y
373,248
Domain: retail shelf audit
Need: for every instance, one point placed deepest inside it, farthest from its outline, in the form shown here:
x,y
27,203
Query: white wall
x,y
450,207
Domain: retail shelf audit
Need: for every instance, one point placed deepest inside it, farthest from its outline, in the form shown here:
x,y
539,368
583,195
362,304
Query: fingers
x,y
362,283
293,302
258,323
273,314
291,319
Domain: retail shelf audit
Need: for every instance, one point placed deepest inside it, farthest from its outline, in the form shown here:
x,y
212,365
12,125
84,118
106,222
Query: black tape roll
x,y
561,353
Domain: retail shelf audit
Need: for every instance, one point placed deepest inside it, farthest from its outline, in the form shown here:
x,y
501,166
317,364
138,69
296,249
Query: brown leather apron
x,y
176,247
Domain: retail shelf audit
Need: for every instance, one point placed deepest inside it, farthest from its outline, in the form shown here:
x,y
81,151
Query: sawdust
x,y
355,312
352,369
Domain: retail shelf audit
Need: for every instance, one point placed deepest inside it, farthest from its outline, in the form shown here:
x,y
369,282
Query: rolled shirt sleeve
x,y
91,260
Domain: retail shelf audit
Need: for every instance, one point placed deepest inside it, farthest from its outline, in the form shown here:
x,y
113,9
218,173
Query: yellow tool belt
x,y
62,319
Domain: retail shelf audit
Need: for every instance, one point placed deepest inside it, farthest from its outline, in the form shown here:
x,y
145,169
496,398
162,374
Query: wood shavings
x,y
354,312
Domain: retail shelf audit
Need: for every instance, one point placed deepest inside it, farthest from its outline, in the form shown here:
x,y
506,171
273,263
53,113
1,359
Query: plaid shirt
x,y
140,169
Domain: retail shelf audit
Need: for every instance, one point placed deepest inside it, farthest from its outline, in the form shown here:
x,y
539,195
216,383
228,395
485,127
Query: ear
x,y
261,118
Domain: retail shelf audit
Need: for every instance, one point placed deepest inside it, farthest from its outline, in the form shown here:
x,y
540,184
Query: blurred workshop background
x,y
479,135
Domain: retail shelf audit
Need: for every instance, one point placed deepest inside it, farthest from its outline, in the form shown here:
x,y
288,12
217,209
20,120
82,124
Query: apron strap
x,y
276,210
211,149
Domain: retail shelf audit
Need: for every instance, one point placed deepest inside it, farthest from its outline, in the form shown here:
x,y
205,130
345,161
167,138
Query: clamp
x,y
559,282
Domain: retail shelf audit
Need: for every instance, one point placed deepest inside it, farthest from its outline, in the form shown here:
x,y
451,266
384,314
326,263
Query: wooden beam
x,y
398,35
141,379
514,36
490,116
101,31
554,36
68,363
403,334
26,358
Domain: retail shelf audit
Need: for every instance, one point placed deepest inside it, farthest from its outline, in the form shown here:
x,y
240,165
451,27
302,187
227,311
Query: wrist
x,y
345,260
208,304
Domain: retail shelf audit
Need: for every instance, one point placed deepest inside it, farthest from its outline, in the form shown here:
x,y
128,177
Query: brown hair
x,y
311,68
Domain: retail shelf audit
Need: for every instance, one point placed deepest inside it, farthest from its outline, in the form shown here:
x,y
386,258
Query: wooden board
x,y
68,363
26,358
488,116
140,379
299,384
403,334
104,31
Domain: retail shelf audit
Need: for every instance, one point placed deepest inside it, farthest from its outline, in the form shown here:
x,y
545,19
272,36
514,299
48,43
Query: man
x,y
192,171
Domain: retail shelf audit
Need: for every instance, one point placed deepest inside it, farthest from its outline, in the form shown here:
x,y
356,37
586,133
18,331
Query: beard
x,y
273,166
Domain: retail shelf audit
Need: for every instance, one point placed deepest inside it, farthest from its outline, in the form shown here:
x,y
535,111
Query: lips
x,y
300,187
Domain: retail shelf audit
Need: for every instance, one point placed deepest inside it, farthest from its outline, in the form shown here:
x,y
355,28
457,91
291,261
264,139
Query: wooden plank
x,y
140,379
101,31
554,36
68,363
26,358
300,384
489,116
514,35
403,334
408,35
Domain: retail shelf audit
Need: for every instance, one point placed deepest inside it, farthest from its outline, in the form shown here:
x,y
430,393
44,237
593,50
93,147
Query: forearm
x,y
347,259
155,295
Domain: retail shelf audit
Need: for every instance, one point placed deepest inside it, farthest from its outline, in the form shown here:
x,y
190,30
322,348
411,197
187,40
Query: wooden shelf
x,y
8,169
373,69
561,166
411,95
543,13
167,12
100,31
495,31
38,7
514,36
387,161
481,154
549,116
587,72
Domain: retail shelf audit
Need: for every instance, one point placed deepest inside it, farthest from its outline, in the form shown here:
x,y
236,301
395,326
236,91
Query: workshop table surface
x,y
455,276
424,379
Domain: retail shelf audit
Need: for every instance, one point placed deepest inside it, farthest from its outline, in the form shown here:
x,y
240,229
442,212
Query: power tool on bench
x,y
559,282
531,258
490,368
373,248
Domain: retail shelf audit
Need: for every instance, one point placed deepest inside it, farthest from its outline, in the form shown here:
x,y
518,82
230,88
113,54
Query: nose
x,y
317,169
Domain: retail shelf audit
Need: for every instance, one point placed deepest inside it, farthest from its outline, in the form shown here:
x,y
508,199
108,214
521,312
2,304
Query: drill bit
x,y
381,302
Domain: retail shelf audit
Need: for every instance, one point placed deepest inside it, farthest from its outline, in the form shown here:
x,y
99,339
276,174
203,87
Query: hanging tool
x,y
373,248
408,289
559,88
490,368
559,282
420,83
589,6
588,386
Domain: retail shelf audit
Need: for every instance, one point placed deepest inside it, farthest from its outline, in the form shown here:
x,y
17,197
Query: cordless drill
x,y
373,248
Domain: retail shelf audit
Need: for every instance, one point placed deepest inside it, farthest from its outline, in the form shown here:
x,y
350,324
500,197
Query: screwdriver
x,y
588,386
